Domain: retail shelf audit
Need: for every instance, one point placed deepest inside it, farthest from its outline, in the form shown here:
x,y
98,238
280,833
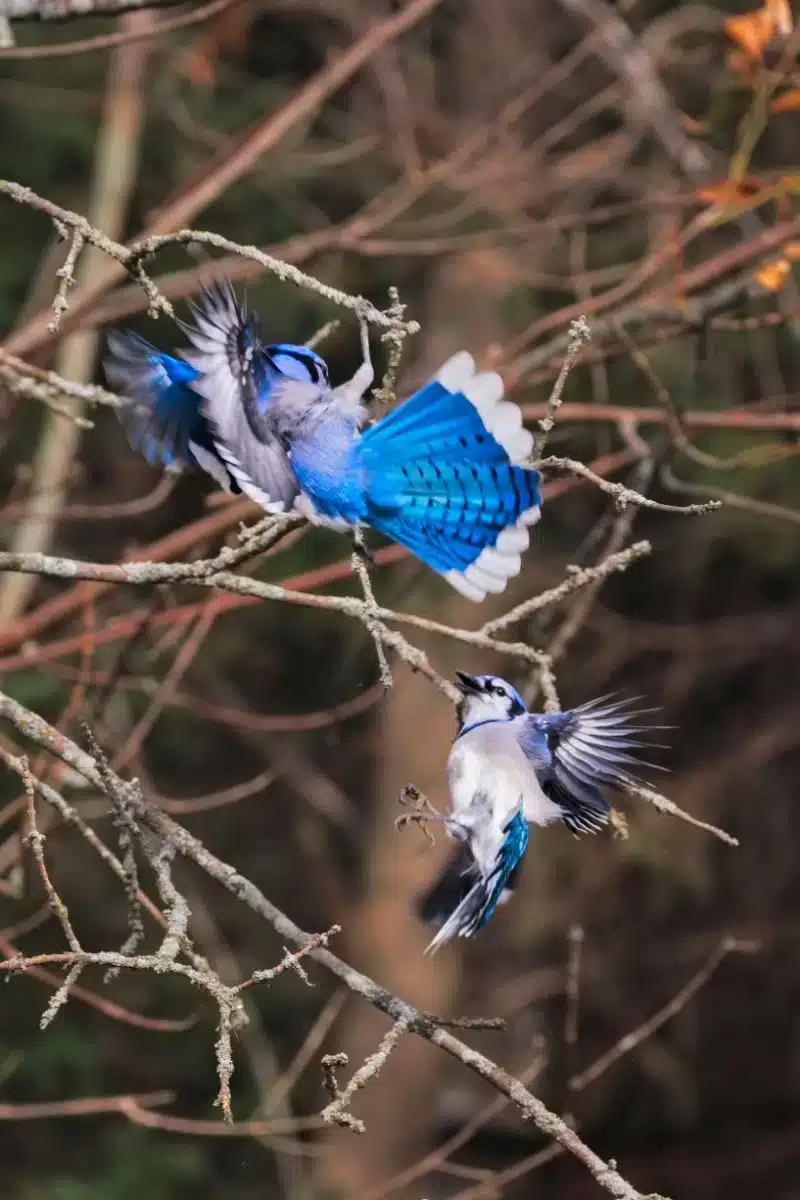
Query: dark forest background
x,y
505,165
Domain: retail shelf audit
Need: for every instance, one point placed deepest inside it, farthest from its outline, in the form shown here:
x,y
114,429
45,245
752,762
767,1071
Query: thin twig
x,y
628,1043
572,986
35,840
623,496
371,617
579,335
67,276
337,1112
578,577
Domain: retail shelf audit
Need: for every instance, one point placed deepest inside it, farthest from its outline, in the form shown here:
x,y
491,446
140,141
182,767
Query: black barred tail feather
x,y
480,900
443,478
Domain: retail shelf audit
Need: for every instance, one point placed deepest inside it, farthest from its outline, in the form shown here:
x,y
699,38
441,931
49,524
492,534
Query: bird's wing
x,y
160,411
241,392
577,754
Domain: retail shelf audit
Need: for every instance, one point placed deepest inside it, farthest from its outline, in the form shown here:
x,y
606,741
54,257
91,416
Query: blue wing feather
x,y
579,753
161,411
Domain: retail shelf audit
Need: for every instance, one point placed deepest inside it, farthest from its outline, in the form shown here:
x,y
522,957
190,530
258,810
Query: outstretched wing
x,y
577,754
160,410
240,387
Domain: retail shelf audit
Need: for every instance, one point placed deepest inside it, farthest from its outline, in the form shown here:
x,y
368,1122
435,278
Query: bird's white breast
x,y
487,767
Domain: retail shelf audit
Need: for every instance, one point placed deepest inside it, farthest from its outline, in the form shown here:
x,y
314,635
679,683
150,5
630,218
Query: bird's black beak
x,y
467,683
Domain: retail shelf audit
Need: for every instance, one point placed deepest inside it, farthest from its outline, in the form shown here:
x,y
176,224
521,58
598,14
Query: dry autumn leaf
x,y
753,30
772,275
788,102
730,191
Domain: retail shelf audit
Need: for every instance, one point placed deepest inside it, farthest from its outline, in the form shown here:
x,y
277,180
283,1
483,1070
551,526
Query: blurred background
x,y
507,166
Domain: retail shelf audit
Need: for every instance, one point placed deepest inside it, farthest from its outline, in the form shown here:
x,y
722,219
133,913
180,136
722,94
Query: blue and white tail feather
x,y
488,890
444,478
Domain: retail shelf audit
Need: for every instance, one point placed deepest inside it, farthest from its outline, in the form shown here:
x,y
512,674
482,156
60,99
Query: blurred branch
x,y
645,94
628,1043
62,10
760,508
108,41
744,419
237,161
89,1106
114,172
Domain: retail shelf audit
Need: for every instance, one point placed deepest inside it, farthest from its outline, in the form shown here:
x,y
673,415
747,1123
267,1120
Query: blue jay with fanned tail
x,y
440,474
507,768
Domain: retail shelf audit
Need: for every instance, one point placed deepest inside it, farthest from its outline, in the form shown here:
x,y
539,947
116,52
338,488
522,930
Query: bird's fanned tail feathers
x,y
482,898
443,478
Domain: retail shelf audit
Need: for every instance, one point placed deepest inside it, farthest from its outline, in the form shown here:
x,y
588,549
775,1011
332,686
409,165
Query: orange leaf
x,y
792,251
788,102
752,30
729,191
772,275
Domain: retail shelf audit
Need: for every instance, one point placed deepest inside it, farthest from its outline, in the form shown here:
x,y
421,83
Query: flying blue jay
x,y
440,474
507,768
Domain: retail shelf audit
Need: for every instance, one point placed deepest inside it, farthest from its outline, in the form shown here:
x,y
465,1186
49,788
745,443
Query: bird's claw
x,y
361,548
422,812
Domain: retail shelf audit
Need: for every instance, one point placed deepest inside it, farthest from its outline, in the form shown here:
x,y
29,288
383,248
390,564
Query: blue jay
x,y
507,768
440,474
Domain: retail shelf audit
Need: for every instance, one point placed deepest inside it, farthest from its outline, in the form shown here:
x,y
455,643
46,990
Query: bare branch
x,y
623,496
36,841
578,577
338,1110
579,335
628,1043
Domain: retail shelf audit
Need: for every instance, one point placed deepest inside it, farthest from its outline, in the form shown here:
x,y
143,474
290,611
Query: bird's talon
x,y
362,550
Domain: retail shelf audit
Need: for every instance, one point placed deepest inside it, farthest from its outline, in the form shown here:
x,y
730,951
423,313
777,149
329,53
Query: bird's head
x,y
486,698
298,362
